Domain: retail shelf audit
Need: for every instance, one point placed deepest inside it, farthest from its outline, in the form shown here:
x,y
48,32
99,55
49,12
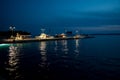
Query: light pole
x,y
12,29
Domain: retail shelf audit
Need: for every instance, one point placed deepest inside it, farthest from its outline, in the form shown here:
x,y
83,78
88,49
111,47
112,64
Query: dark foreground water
x,y
84,59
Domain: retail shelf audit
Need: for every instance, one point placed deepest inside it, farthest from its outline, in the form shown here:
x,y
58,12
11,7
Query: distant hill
x,y
7,34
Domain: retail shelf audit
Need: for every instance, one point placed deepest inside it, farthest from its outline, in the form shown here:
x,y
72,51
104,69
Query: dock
x,y
38,40
33,40
19,37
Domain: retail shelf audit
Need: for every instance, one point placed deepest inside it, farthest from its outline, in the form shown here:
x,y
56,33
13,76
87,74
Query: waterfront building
x,y
42,36
21,37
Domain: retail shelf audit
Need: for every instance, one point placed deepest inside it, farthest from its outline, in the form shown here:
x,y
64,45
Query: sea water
x,y
80,59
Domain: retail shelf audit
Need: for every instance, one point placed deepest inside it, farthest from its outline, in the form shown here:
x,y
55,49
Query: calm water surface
x,y
83,59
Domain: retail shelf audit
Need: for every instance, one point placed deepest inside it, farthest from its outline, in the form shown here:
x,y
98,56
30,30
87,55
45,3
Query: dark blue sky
x,y
34,14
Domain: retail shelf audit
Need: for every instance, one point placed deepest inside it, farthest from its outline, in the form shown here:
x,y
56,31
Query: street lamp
x,y
12,29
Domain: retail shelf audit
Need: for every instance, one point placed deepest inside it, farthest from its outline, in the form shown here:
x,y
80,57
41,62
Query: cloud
x,y
102,28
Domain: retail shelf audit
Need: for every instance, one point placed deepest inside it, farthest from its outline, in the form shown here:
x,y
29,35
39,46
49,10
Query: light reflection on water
x,y
61,46
43,53
65,47
77,46
56,46
13,62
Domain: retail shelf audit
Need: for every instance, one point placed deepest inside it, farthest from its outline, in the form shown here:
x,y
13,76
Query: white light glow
x,y
3,45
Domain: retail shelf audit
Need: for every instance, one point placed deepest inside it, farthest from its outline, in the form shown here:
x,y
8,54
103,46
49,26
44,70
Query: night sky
x,y
31,15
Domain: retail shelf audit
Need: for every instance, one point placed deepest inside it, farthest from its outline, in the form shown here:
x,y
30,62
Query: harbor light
x,y
12,29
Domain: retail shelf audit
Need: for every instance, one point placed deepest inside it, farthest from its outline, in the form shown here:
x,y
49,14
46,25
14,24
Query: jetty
x,y
43,38
20,38
38,40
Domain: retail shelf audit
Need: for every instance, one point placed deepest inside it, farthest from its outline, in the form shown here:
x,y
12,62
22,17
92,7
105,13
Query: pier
x,y
22,38
37,40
